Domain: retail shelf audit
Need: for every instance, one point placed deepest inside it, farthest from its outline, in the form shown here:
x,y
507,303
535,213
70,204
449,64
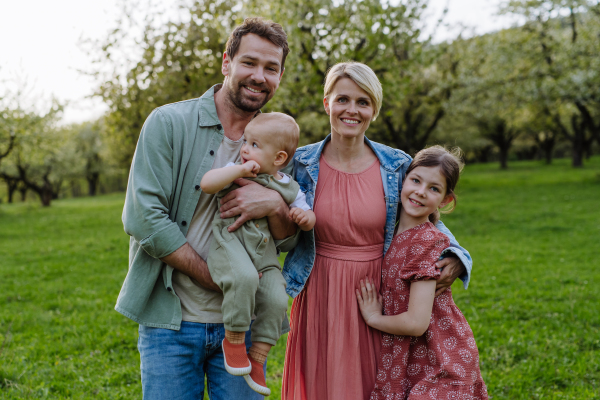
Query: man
x,y
168,289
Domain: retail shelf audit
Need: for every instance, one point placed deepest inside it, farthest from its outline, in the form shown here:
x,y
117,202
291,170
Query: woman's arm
x,y
460,266
414,322
216,179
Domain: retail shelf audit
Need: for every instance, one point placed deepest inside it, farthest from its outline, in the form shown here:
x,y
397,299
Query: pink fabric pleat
x,y
331,353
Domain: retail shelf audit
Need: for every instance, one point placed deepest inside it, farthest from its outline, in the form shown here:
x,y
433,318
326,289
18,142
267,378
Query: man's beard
x,y
236,96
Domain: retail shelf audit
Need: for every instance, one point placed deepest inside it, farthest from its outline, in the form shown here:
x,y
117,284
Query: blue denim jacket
x,y
394,163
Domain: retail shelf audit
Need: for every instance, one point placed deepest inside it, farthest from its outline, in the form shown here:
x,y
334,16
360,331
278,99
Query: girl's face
x,y
350,109
423,191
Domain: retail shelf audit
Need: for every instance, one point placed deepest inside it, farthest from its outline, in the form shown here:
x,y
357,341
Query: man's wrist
x,y
280,209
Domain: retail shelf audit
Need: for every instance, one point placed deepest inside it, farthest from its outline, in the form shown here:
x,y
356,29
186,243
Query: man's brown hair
x,y
269,30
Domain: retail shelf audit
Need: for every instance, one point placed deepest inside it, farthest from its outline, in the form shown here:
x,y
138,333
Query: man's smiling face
x,y
254,73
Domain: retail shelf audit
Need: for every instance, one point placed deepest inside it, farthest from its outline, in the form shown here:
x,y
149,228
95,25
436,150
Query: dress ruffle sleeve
x,y
423,252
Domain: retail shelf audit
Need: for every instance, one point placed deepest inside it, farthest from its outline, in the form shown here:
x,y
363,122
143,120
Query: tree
x,y
169,61
564,48
8,135
87,145
40,156
417,76
181,59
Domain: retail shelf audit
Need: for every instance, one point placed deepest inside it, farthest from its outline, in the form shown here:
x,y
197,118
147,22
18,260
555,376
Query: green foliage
x,y
41,155
561,47
532,302
181,60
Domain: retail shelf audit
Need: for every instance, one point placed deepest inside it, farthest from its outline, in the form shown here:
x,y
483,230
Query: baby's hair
x,y
450,163
283,130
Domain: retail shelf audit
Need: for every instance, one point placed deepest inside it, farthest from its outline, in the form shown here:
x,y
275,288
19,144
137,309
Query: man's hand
x,y
253,201
451,268
186,260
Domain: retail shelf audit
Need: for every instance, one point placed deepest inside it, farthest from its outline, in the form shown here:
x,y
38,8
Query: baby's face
x,y
257,147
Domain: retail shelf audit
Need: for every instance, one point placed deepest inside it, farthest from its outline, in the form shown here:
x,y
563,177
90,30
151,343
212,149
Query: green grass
x,y
533,232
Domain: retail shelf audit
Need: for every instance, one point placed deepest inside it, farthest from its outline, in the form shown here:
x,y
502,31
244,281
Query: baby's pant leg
x,y
233,271
271,306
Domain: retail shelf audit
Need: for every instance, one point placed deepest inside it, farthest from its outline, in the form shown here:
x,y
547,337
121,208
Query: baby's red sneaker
x,y
236,359
256,378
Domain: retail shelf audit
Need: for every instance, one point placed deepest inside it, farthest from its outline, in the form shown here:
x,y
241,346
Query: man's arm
x,y
146,214
253,201
186,260
457,263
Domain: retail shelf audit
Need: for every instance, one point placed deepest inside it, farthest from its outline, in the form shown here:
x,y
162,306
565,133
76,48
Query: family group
x,y
218,189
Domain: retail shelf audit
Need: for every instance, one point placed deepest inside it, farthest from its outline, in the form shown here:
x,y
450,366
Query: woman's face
x,y
350,109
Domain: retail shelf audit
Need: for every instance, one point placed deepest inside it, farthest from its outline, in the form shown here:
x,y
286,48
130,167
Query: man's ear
x,y
326,105
281,75
226,64
280,158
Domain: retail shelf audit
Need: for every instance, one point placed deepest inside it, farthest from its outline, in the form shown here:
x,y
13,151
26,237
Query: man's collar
x,y
207,115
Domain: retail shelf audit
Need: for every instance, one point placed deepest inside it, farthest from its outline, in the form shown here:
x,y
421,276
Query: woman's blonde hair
x,y
360,74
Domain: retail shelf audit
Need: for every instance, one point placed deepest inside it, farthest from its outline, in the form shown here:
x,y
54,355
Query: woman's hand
x,y
451,268
369,301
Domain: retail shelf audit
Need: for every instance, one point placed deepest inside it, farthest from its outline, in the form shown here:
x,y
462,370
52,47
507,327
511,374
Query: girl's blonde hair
x,y
360,74
451,165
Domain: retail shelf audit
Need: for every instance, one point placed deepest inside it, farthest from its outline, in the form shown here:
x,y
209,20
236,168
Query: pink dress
x,y
444,362
331,353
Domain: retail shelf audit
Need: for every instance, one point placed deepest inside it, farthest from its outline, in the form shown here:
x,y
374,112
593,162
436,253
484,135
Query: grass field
x,y
533,303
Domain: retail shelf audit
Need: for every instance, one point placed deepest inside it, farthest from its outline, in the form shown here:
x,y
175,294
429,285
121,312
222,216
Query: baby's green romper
x,y
236,258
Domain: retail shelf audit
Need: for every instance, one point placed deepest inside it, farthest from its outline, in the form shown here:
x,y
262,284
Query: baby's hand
x,y
250,169
304,219
369,301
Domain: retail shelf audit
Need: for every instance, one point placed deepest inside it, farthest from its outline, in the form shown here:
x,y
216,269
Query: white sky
x,y
40,43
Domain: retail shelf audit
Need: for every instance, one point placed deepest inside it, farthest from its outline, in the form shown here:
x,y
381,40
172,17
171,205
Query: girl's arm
x,y
414,322
216,179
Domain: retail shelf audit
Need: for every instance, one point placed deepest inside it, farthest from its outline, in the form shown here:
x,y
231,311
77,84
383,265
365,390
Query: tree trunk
x,y
11,186
548,156
578,147
46,197
547,144
11,192
504,157
577,157
23,191
93,183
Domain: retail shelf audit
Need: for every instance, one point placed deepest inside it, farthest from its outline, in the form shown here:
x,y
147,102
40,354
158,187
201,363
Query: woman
x,y
353,185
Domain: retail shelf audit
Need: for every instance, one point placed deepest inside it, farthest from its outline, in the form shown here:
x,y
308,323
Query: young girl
x,y
428,349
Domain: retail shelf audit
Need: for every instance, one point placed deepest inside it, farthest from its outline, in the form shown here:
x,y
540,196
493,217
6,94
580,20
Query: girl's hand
x,y
250,169
369,301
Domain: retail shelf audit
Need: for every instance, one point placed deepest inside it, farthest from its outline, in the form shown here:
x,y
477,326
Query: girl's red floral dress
x,y
444,362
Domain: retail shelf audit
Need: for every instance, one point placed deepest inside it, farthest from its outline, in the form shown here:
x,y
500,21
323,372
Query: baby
x,y
236,258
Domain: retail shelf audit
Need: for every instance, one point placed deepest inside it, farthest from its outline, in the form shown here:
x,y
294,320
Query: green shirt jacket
x,y
176,148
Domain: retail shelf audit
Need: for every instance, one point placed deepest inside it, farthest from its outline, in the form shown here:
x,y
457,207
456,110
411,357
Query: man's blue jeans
x,y
174,364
